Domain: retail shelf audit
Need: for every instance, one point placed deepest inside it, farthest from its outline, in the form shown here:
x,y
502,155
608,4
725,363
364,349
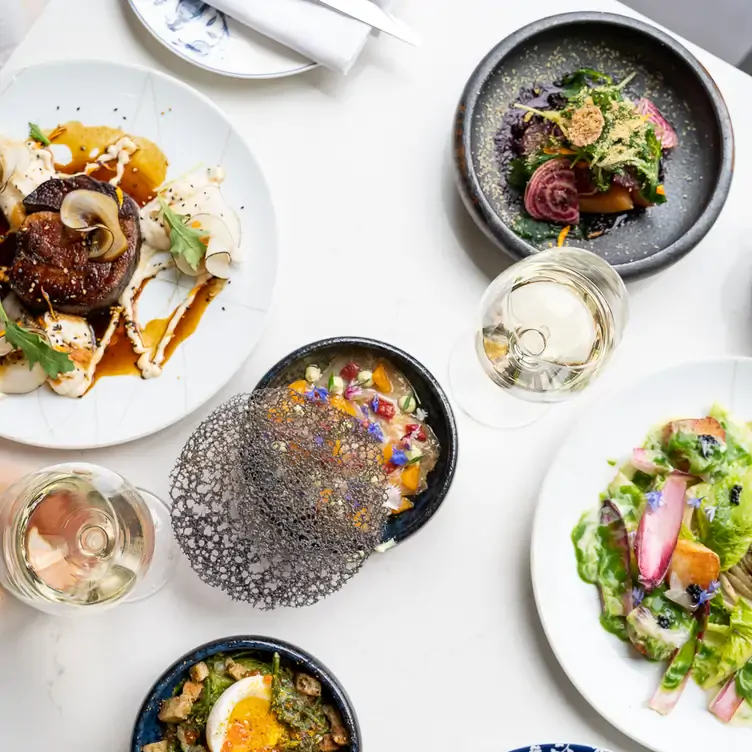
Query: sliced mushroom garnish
x,y
95,213
220,246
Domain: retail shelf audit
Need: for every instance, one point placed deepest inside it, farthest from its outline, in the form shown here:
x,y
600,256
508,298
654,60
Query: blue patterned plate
x,y
205,37
560,747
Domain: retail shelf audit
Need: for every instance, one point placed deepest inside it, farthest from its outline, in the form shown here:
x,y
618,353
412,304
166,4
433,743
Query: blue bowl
x,y
432,399
148,728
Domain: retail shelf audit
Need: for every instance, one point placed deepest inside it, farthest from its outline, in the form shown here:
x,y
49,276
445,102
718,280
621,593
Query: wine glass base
x,y
166,551
481,399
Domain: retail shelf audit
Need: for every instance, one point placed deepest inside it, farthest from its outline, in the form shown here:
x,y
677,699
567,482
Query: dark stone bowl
x,y
148,728
431,397
697,172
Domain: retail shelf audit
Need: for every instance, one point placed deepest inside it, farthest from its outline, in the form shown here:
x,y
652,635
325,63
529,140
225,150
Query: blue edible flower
x,y
710,513
319,440
375,430
398,458
317,394
655,500
710,593
695,502
637,595
375,404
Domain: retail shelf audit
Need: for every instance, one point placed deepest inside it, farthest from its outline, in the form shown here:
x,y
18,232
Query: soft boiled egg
x,y
242,719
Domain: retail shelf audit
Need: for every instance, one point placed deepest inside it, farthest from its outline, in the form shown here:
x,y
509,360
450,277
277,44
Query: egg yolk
x,y
252,727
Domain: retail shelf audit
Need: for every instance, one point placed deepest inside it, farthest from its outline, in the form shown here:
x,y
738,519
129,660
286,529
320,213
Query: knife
x,y
370,13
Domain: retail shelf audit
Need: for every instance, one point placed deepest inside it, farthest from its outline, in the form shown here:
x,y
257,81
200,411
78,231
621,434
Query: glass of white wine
x,y
547,327
78,538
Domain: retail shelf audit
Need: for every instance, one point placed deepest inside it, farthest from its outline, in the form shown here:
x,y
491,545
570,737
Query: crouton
x,y
235,670
192,690
339,732
308,685
156,747
199,672
176,709
698,426
327,744
694,564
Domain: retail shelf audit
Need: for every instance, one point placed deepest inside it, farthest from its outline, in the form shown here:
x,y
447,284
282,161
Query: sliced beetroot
x,y
658,531
616,539
663,130
551,194
727,701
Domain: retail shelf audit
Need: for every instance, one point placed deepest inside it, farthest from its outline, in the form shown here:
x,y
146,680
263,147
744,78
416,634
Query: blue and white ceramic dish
x,y
148,729
560,747
205,37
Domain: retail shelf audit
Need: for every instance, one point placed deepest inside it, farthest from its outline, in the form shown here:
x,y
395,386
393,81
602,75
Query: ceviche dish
x,y
670,550
237,703
581,155
377,394
87,219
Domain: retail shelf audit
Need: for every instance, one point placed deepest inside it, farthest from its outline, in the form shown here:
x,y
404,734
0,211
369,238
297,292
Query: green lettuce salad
x,y
670,551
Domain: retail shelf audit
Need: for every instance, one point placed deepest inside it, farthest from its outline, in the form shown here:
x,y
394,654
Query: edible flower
x,y
352,391
710,593
375,404
375,430
398,458
710,513
695,502
317,394
637,595
319,440
655,500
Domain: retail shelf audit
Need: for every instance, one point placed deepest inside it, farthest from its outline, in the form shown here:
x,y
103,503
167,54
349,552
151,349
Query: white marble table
x,y
360,173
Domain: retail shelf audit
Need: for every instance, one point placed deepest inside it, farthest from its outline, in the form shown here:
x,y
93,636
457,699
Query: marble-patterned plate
x,y
191,130
609,673
205,37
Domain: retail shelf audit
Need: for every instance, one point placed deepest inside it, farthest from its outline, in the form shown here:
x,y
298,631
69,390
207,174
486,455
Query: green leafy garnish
x,y
185,241
36,134
573,83
533,229
35,347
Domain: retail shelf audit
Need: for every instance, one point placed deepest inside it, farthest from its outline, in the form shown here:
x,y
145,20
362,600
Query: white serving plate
x,y
607,672
191,130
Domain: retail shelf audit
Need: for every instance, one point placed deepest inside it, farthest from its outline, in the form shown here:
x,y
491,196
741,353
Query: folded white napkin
x,y
312,29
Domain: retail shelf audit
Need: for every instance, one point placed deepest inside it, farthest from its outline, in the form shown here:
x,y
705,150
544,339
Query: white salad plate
x,y
608,673
191,131
210,39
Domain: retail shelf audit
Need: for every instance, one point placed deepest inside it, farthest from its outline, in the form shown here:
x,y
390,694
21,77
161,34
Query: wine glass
x,y
547,327
79,538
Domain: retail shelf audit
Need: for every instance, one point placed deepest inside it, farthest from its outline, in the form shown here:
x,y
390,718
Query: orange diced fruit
x,y
381,379
403,507
388,450
411,478
345,406
301,386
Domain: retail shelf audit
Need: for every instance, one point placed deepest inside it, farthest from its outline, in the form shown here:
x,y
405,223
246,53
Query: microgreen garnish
x,y
331,381
655,500
36,134
35,347
184,240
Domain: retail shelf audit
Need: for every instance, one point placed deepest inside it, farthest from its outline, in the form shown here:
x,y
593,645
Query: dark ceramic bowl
x,y
697,172
430,396
148,729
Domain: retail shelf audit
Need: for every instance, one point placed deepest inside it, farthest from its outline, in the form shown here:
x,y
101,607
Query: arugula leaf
x,y
36,134
573,83
184,240
35,348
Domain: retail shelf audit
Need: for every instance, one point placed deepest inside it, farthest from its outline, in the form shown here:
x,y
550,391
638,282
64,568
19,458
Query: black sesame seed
x,y
663,621
734,495
78,109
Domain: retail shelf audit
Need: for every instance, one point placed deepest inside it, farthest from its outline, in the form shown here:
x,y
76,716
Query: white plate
x,y
205,37
608,673
191,130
